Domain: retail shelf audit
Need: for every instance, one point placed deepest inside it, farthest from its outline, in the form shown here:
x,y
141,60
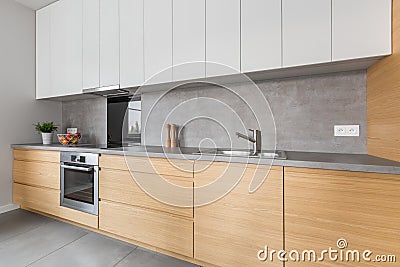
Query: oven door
x,y
79,187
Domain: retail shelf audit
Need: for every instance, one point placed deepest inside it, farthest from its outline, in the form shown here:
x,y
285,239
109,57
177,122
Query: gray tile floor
x,y
29,239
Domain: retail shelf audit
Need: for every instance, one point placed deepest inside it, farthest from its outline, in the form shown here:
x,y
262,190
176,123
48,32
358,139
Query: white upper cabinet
x,y
66,48
109,43
361,28
91,44
158,41
222,37
43,77
189,39
261,35
131,43
306,32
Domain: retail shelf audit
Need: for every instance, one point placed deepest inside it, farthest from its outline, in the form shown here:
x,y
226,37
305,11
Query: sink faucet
x,y
255,139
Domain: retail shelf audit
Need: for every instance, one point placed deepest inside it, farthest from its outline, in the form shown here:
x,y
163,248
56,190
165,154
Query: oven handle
x,y
76,168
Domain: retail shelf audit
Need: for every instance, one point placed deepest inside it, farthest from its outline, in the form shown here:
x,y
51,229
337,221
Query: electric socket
x,y
347,130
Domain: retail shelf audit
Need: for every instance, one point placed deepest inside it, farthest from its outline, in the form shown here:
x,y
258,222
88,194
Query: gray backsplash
x,y
305,110
89,116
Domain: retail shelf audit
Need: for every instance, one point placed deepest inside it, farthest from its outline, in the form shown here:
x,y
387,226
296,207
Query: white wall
x,y
18,107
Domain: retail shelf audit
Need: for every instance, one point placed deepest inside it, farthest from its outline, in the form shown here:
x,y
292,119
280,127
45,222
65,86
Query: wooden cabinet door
x,y
189,39
91,44
158,41
323,206
131,46
231,231
361,28
109,43
306,32
261,35
66,48
154,228
43,68
222,37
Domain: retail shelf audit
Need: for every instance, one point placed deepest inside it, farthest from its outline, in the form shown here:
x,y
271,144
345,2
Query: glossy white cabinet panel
x,y
131,37
222,37
306,32
91,44
189,39
158,41
361,28
43,67
261,39
109,43
66,48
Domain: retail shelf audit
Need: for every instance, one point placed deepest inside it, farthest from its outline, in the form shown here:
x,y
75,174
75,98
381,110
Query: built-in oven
x,y
79,181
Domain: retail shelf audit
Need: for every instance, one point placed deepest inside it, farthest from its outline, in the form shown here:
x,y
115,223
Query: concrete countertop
x,y
329,161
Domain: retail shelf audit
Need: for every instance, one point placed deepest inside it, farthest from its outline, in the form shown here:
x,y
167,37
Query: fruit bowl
x,y
69,139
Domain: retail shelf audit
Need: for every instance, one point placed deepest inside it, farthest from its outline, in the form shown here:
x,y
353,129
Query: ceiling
x,y
35,4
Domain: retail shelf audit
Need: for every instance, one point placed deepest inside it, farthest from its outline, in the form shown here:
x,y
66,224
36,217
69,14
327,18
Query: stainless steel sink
x,y
243,153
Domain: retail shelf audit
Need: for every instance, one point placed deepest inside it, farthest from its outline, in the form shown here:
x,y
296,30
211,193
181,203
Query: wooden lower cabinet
x,y
323,206
154,228
231,230
120,186
45,174
48,201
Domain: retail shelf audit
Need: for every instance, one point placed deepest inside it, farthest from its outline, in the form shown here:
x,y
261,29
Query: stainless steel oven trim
x,y
70,167
81,206
91,164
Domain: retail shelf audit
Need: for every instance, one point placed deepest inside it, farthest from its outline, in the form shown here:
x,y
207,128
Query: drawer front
x,y
44,174
172,167
119,186
37,155
48,201
151,227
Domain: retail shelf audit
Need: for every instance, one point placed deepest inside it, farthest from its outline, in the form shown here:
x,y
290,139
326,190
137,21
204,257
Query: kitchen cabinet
x,y
361,28
231,230
109,43
127,210
36,187
323,206
101,66
66,47
59,49
189,39
91,44
43,68
131,43
306,29
261,35
158,41
222,37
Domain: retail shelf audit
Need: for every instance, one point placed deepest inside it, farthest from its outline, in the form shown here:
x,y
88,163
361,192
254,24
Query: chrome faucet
x,y
255,139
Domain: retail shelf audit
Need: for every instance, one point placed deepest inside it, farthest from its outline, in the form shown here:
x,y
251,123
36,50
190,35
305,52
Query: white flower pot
x,y
47,138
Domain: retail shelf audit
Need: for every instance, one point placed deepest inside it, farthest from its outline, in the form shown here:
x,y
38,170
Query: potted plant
x,y
46,129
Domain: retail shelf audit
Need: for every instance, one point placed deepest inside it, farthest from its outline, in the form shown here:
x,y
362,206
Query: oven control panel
x,y
75,158
83,158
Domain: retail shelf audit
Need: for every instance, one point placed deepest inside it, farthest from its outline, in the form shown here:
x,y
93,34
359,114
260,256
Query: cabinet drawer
x,y
37,155
150,227
37,173
48,201
119,186
172,167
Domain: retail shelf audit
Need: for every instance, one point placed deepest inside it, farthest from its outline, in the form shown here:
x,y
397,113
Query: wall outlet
x,y
347,130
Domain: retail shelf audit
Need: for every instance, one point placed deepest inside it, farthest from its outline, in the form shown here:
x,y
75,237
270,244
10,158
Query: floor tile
x,y
141,257
30,246
92,250
16,222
